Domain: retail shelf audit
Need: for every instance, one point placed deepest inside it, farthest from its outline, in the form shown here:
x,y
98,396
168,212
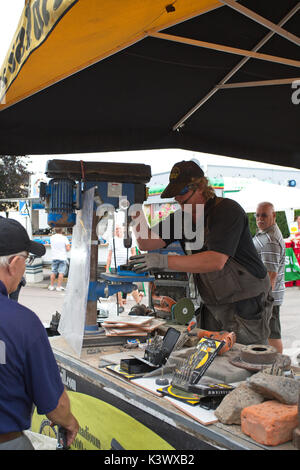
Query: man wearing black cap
x,y
28,371
232,281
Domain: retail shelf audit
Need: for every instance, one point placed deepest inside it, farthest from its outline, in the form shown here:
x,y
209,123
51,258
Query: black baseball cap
x,y
14,239
182,174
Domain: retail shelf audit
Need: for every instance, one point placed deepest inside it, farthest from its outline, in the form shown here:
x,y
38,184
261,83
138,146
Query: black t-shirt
x,y
226,230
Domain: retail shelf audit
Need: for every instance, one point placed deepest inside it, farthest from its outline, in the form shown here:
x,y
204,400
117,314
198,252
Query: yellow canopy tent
x,y
57,38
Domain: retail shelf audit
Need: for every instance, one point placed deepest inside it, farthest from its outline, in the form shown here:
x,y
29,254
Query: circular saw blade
x,y
183,311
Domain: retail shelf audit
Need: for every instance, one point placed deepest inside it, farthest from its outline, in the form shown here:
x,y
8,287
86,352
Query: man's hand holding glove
x,y
149,262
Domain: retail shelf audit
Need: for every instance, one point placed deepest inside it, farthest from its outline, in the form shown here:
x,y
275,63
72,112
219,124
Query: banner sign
x,y
38,19
292,268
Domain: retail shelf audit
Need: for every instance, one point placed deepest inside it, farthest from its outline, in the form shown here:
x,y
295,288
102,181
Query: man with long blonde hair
x,y
231,279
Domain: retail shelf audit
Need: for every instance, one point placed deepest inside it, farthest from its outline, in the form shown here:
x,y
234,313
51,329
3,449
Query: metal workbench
x,y
181,432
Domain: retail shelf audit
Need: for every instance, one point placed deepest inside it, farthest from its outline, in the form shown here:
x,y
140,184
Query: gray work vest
x,y
232,284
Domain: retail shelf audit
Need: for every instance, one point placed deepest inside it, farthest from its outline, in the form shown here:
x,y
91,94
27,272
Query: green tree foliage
x,y
297,213
14,180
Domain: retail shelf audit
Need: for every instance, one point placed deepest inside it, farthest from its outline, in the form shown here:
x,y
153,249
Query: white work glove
x,y
148,262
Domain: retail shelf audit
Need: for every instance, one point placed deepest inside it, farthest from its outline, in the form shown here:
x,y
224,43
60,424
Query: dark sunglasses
x,y
185,190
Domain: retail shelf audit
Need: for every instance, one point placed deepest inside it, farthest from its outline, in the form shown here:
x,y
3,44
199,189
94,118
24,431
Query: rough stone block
x,y
296,438
296,434
275,387
229,411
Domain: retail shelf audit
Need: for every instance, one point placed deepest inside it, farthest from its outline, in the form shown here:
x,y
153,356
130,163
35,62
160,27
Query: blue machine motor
x,y
62,197
70,178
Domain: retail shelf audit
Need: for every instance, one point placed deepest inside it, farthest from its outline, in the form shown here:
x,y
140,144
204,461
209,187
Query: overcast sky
x,y
10,12
160,161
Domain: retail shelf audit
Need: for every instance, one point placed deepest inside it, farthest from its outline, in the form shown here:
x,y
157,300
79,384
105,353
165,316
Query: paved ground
x,y
45,303
290,320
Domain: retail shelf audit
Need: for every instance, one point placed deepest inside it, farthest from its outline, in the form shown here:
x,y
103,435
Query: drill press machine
x,y
118,186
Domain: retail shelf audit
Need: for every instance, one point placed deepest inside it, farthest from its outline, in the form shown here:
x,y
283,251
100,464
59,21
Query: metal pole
x,y
263,21
91,311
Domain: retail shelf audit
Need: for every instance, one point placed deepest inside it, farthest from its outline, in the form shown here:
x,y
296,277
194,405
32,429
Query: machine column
x,y
91,311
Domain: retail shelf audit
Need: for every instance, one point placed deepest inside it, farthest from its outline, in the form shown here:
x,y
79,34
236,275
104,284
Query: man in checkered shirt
x,y
270,246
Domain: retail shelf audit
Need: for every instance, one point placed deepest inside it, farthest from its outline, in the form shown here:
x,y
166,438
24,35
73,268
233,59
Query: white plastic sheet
x,y
72,322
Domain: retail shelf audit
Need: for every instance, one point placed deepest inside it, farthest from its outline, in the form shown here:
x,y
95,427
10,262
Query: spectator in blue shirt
x,y
29,374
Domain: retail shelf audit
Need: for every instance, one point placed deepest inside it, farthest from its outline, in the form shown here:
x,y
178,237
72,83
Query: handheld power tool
x,y
229,338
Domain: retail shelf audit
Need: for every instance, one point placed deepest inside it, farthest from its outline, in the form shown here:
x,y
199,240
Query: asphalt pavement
x,y
45,303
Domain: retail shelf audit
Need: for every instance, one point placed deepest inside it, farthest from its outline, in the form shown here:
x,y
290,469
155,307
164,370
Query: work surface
x,y
93,365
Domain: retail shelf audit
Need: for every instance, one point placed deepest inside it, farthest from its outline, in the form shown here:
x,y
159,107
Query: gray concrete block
x,y
275,387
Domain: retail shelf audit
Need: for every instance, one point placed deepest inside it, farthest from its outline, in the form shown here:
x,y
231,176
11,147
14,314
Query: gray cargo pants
x,y
249,319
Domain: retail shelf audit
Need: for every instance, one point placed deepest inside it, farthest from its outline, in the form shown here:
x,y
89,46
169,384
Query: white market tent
x,y
283,198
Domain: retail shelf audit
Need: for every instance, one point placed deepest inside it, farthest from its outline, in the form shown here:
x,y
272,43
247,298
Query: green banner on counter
x,y
292,268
